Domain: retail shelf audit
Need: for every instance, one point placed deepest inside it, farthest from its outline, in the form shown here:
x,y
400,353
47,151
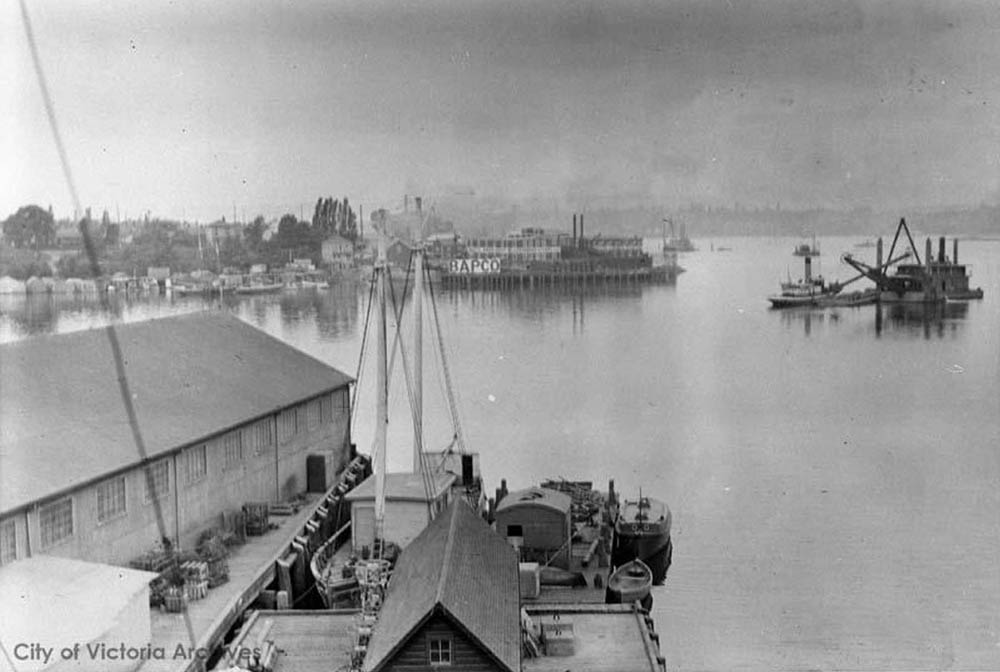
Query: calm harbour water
x,y
835,482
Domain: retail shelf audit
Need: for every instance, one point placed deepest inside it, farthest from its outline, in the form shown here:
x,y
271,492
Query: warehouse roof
x,y
63,422
462,569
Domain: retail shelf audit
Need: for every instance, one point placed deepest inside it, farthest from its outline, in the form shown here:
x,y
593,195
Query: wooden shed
x,y
537,521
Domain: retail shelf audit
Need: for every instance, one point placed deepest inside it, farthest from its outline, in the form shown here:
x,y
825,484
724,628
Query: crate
x,y
257,518
195,590
218,571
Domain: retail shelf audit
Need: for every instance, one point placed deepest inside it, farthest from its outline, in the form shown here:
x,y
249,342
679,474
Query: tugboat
x,y
642,531
677,243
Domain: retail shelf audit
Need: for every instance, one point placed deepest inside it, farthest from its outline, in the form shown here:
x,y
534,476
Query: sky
x,y
195,110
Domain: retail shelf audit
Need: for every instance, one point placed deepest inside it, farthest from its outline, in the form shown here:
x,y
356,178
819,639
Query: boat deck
x,y
595,572
307,641
251,569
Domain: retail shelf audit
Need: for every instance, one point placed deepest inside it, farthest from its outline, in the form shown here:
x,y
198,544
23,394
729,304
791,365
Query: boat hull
x,y
642,532
632,582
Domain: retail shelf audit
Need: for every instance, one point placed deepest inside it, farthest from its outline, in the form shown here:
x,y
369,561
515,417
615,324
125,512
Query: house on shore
x,y
111,439
337,253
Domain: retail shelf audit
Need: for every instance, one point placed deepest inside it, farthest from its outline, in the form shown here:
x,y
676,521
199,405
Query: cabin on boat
x,y
219,415
452,601
538,522
410,504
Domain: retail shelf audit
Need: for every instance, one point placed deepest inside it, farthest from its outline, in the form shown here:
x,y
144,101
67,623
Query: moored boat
x,y
642,531
632,582
259,288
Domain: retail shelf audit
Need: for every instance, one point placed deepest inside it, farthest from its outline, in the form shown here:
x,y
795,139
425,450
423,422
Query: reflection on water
x,y
937,320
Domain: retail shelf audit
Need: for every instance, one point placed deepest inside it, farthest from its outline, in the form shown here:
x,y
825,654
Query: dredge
x,y
933,280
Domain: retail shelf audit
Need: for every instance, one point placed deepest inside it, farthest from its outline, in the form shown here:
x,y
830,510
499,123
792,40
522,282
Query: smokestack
x,y
574,229
419,202
941,250
809,269
878,254
928,249
581,227
954,250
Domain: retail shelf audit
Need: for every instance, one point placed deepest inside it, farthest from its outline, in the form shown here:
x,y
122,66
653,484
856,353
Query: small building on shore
x,y
337,253
113,439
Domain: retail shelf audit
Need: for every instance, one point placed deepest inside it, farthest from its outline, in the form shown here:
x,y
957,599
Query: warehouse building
x,y
113,439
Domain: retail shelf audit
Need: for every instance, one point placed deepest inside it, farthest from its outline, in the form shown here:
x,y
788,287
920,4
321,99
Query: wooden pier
x,y
531,279
279,556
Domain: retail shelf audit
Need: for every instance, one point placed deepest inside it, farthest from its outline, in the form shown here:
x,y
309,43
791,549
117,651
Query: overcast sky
x,y
185,108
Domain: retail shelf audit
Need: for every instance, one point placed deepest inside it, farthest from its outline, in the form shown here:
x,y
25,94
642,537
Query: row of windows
x,y
56,518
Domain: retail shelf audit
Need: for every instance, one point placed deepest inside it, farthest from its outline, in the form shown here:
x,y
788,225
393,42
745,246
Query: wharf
x,y
532,279
306,640
252,567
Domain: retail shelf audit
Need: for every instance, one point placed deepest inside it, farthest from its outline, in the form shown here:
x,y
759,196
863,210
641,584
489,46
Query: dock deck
x,y
251,569
307,641
605,638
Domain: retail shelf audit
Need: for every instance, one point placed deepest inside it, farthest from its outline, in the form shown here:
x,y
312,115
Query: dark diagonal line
x,y
95,270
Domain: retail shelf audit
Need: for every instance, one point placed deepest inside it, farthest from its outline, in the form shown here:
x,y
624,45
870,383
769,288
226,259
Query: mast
x,y
418,358
382,392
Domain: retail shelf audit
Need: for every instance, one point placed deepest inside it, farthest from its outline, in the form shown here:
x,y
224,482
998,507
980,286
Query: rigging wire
x,y
115,345
425,476
452,404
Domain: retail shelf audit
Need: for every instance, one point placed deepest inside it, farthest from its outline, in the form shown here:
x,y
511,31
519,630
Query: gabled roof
x,y
62,420
461,568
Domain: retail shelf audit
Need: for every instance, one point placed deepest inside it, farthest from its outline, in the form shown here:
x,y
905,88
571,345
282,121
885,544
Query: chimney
x,y
954,250
878,254
581,227
928,249
809,269
419,203
941,250
574,229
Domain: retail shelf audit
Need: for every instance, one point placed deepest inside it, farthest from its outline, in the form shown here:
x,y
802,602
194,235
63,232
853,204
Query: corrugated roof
x,y
399,486
62,420
552,499
463,569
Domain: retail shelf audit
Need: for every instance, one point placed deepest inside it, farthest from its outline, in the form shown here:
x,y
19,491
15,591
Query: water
x,y
835,481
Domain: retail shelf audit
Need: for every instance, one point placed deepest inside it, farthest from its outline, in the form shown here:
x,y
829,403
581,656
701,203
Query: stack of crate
x,y
257,517
195,579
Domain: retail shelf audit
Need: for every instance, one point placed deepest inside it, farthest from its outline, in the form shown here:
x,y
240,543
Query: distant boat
x,y
632,582
806,250
677,242
259,288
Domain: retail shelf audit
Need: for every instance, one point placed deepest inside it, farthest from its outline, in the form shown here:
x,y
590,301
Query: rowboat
x,y
629,583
